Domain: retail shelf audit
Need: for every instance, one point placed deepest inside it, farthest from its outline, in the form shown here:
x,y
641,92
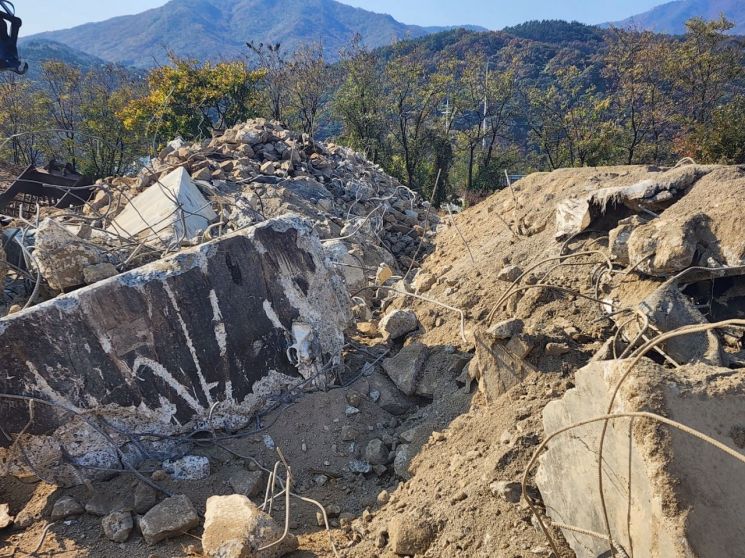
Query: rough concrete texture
x,y
226,323
173,517
235,528
684,492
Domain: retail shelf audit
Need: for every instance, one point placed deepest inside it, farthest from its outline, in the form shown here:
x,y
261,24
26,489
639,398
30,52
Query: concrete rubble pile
x,y
192,295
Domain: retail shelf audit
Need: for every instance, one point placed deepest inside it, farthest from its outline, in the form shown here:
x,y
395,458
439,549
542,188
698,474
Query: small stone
x,y
247,483
351,411
405,368
398,323
402,461
304,447
360,467
159,476
384,497
374,395
556,349
349,433
506,329
145,498
508,491
117,526
410,535
346,519
66,507
320,480
376,452
368,329
173,517
509,273
235,528
380,470
333,510
188,468
354,398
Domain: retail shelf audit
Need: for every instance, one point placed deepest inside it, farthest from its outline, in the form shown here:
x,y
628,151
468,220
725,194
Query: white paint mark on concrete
x,y
272,315
160,371
189,343
220,334
46,389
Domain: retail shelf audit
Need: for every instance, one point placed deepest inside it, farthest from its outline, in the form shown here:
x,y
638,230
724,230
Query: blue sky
x,y
45,15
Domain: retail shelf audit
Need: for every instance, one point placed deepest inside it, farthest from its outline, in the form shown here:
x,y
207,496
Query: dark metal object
x,y
51,186
10,24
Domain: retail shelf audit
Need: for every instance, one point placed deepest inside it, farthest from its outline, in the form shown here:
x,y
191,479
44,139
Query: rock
x,y
360,467
384,497
509,273
6,520
509,491
188,468
506,329
62,256
354,398
409,535
65,507
424,282
173,517
351,411
520,346
247,483
368,329
376,452
389,398
100,504
556,349
405,367
117,526
398,323
145,497
235,528
404,455
349,433
99,272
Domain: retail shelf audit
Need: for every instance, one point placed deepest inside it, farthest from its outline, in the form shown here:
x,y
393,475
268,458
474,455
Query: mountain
x,y
38,51
218,29
671,17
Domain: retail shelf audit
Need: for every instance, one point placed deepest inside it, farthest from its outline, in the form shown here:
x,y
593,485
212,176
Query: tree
x,y
275,84
310,85
359,102
21,114
63,100
192,100
414,94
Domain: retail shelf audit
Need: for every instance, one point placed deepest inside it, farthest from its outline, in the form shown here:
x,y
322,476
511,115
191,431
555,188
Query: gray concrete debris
x,y
398,323
404,455
376,452
166,214
145,497
173,517
63,258
117,526
235,528
509,273
247,483
495,367
508,491
684,492
404,369
188,468
506,329
65,507
99,272
388,396
173,339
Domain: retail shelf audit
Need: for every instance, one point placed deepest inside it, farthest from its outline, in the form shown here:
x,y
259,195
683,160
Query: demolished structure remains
x,y
267,342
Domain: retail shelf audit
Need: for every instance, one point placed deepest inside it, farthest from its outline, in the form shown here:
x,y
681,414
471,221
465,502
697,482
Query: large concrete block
x,y
219,326
687,498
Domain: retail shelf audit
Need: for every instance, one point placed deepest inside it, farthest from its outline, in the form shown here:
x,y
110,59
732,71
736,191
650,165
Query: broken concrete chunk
x,y
673,475
506,329
188,468
145,498
247,483
397,323
168,212
402,461
99,272
376,452
173,517
117,526
6,520
389,397
158,346
494,367
65,507
63,257
235,528
405,367
508,491
509,273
